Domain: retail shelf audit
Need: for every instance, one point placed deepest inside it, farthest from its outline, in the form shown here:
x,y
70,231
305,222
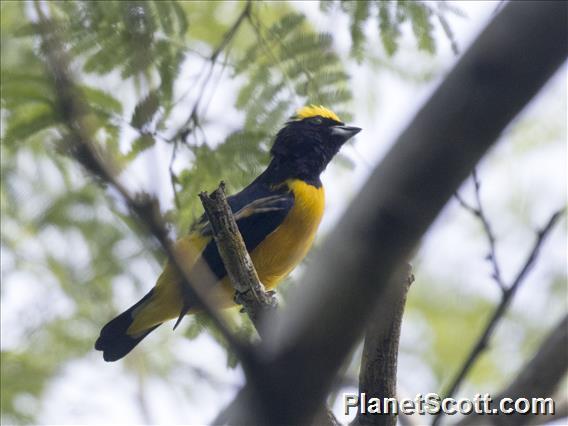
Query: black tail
x,y
113,341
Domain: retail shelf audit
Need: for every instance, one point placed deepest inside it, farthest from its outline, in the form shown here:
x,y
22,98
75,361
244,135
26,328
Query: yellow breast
x,y
284,248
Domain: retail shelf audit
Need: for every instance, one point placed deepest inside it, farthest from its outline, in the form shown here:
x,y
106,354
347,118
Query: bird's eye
x,y
317,120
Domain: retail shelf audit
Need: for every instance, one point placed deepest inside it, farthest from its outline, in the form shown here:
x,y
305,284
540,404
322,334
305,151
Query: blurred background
x,y
184,94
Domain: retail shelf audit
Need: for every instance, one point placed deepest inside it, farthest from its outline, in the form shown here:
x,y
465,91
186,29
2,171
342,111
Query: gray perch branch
x,y
249,291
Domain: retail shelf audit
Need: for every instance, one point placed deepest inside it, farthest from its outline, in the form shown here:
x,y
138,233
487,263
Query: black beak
x,y
344,132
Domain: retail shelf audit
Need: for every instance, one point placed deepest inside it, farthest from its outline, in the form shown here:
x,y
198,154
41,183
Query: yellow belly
x,y
280,252
274,258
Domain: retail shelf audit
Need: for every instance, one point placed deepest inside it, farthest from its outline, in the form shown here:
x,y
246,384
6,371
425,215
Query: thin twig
x,y
481,344
173,177
489,232
289,54
439,13
266,46
227,38
479,212
216,84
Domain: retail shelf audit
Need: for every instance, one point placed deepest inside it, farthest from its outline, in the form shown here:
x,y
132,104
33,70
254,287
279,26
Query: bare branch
x,y
539,378
481,344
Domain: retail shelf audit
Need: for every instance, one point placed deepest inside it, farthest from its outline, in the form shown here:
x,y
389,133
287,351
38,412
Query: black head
x,y
308,142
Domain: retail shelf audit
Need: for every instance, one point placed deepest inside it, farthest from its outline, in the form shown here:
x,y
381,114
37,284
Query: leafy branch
x,y
146,209
390,16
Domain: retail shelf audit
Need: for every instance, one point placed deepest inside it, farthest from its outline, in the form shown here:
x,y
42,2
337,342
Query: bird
x,y
277,214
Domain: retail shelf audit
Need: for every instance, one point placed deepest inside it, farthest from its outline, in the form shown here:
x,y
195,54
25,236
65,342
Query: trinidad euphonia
x,y
277,214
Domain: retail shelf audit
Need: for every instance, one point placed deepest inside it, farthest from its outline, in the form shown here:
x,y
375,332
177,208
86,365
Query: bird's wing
x,y
258,212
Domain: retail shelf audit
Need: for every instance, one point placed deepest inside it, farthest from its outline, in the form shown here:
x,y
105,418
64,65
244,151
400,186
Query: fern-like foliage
x,y
30,103
134,37
137,41
289,61
390,15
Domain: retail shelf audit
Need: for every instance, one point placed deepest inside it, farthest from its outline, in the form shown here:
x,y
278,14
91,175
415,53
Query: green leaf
x,y
30,119
248,92
138,63
287,25
419,14
110,55
145,110
388,28
28,29
142,143
170,63
18,91
183,23
391,14
284,63
163,11
359,18
101,100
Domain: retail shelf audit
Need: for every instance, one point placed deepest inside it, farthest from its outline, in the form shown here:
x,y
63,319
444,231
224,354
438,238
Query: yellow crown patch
x,y
314,111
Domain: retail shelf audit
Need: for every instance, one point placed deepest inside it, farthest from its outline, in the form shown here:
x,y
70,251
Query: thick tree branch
x,y
539,378
249,291
500,73
481,344
377,376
